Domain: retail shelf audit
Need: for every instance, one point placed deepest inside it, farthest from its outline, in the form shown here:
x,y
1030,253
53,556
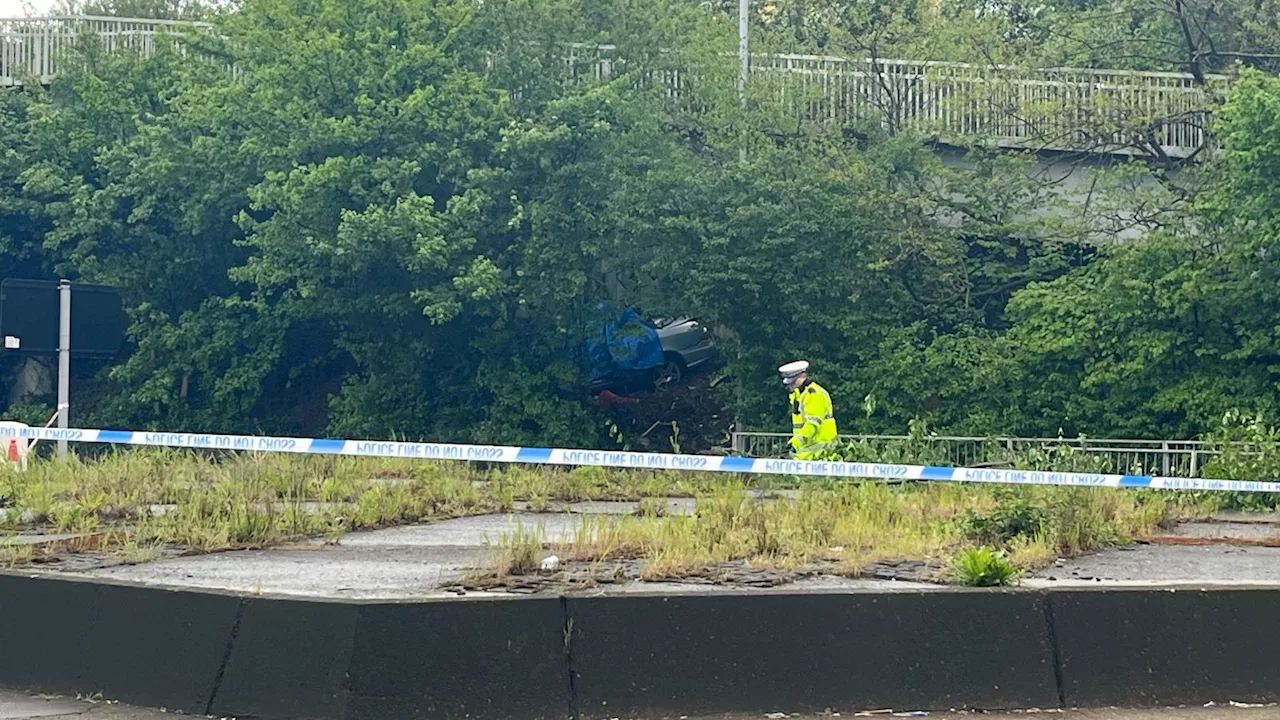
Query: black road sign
x,y
29,313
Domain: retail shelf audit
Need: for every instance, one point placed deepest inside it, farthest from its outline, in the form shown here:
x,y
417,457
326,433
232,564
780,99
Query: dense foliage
x,y
395,216
1193,36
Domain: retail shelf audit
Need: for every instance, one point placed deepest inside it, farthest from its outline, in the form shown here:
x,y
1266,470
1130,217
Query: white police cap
x,y
793,369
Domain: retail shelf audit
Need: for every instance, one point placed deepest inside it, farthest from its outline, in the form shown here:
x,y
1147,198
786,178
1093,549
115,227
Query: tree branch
x,y
1193,61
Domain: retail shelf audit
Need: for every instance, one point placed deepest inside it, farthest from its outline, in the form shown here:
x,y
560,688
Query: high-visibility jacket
x,y
813,421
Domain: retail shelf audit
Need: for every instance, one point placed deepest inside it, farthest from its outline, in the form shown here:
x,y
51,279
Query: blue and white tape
x,y
623,459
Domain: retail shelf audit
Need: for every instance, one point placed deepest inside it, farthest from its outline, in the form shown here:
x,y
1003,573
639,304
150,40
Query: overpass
x,y
1159,115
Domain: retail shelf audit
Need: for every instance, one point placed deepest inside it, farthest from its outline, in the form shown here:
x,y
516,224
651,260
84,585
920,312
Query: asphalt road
x,y
21,706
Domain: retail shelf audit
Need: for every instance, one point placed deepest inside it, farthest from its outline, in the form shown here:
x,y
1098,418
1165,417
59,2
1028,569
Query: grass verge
x,y
972,534
149,500
138,504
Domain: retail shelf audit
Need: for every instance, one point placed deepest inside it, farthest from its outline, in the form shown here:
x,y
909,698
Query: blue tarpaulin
x,y
622,343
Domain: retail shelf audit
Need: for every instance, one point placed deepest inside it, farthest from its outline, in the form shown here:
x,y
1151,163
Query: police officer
x,y
813,419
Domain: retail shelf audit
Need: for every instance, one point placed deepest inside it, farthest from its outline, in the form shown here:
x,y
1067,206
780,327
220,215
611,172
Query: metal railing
x,y
1102,111
1111,111
1062,109
34,49
1172,458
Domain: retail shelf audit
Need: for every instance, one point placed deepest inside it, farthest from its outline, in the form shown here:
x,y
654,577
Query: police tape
x,y
624,459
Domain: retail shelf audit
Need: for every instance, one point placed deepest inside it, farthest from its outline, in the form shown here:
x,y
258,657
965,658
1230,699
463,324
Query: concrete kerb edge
x,y
1118,587
1169,647
84,638
226,656
808,652
569,622
90,579
286,658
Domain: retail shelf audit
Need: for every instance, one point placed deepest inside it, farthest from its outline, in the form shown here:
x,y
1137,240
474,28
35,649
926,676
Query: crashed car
x,y
687,346
631,354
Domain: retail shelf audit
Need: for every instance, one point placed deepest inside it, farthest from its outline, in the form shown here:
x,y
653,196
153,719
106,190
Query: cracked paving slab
x,y
411,561
408,562
418,561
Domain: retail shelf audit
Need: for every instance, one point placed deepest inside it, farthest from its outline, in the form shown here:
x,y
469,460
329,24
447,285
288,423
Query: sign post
x,y
64,363
36,320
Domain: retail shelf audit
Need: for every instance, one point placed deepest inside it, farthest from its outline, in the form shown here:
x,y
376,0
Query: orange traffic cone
x,y
13,451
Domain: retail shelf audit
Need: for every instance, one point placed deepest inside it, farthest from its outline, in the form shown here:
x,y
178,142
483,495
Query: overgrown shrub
x,y
1015,515
1248,448
919,447
1062,458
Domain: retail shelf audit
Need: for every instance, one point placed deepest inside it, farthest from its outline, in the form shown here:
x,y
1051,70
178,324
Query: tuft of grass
x,y
540,503
652,507
585,483
15,555
673,564
984,567
133,552
518,552
1032,552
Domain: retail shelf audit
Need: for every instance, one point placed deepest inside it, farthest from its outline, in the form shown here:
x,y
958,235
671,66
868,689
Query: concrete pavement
x,y
419,561
21,706
408,562
1166,565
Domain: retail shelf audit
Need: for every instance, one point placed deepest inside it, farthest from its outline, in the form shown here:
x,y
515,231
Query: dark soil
x,y
694,416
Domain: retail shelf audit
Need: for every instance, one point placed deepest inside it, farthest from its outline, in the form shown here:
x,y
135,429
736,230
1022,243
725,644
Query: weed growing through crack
x,y
13,554
984,567
652,507
1038,525
518,552
1032,552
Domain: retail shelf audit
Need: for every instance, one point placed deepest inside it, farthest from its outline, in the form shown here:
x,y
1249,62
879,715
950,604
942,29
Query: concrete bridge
x,y
1159,115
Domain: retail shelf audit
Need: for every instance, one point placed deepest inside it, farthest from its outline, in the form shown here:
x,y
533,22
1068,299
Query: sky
x,y
22,8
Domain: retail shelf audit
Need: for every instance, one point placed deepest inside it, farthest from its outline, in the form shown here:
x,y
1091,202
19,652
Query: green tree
x,y
151,9
397,216
1162,337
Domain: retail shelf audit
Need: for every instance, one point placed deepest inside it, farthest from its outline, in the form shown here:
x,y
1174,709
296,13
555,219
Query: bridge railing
x,y
1060,109
1172,458
1112,111
35,48
1106,111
